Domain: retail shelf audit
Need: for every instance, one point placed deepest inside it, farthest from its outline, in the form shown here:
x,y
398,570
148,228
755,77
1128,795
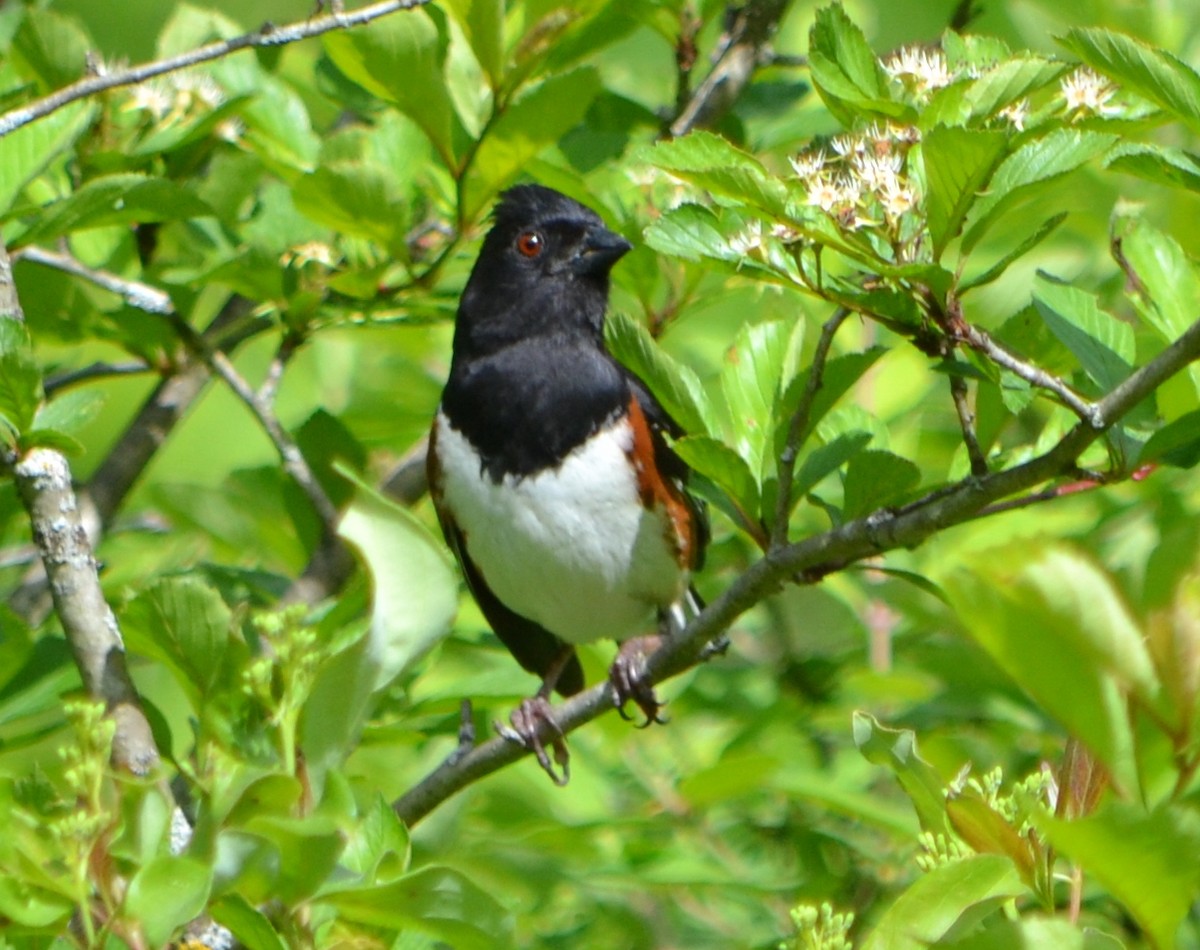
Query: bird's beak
x,y
601,249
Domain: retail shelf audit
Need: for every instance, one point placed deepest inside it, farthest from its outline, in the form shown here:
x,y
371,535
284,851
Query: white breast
x,y
572,549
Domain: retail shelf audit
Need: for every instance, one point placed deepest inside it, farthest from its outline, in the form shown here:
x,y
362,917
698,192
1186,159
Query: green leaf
x,y
1033,164
380,849
1058,627
1177,443
1172,167
673,384
876,479
402,59
25,152
1030,932
691,232
1152,73
1103,344
20,377
482,23
414,581
986,831
251,927
69,411
353,198
751,381
184,623
826,459
840,374
52,46
957,892
438,901
526,128
166,894
1008,81
27,905
844,69
116,200
307,850
1167,281
720,168
998,269
958,164
722,465
1147,861
897,750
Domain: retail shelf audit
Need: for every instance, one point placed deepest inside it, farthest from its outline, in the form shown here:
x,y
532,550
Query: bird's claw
x,y
527,726
630,679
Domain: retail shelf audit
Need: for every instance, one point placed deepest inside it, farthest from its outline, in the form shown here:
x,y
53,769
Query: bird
x,y
550,467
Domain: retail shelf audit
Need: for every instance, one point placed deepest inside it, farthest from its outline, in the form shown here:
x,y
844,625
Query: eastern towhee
x,y
553,481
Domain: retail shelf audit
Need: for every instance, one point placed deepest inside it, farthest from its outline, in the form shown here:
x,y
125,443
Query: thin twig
x,y
982,342
136,294
745,48
266,35
815,557
87,374
966,421
293,459
799,425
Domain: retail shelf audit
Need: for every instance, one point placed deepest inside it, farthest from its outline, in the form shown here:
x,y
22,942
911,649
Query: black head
x,y
543,269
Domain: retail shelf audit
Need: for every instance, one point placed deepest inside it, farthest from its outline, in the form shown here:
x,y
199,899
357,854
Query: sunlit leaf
x,y
167,893
876,479
958,164
896,749
1102,344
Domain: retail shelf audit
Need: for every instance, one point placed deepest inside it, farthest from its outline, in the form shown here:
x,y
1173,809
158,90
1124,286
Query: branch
x,y
745,48
267,35
799,423
811,560
43,480
136,294
966,421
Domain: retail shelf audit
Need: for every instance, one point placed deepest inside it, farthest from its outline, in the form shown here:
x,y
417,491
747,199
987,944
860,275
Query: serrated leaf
x,y
112,200
931,907
52,46
20,376
380,849
896,749
1172,167
840,374
26,151
1161,845
1034,163
958,164
402,59
826,459
186,624
1152,73
1103,344
690,232
1008,81
876,479
722,465
1168,282
528,126
844,69
752,381
353,198
69,411
673,384
720,168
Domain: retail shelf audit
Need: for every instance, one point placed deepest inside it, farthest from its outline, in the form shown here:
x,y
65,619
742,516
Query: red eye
x,y
530,243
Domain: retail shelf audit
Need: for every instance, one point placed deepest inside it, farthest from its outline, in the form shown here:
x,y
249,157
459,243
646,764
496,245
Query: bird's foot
x,y
630,679
529,720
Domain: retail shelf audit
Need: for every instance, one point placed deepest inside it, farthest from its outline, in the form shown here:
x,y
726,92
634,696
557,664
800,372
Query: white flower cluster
x,y
1087,92
921,70
181,95
861,181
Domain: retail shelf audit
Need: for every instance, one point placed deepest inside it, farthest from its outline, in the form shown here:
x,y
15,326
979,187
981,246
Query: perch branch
x,y
266,35
966,421
136,294
813,558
